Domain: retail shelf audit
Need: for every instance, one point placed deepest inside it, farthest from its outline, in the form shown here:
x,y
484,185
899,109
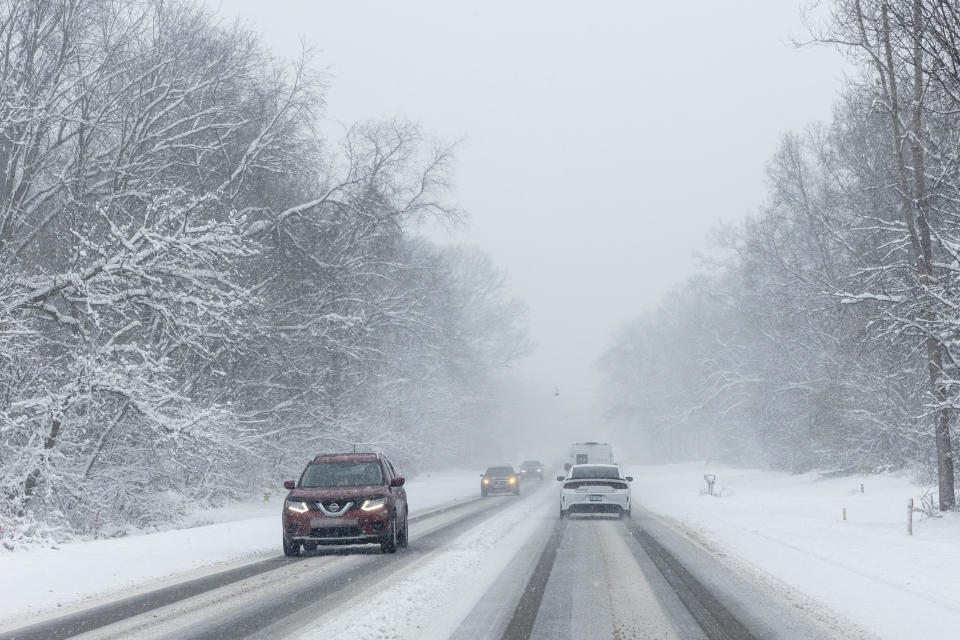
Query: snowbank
x,y
79,572
792,527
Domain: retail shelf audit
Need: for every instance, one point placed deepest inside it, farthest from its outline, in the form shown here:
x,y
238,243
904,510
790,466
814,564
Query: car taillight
x,y
572,485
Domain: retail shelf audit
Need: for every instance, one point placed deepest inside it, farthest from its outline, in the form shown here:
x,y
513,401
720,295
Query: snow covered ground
x,y
431,598
791,526
44,580
778,527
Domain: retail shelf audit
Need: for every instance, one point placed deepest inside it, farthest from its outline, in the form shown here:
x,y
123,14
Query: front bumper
x,y
497,486
354,527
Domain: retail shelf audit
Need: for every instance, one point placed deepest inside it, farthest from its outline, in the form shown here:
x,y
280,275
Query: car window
x,y
595,471
342,474
499,471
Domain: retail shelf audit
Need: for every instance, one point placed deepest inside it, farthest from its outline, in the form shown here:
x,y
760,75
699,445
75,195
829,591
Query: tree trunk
x,y
914,213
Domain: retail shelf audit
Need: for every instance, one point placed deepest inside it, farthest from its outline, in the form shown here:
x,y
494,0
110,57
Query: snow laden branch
x,y
197,288
826,333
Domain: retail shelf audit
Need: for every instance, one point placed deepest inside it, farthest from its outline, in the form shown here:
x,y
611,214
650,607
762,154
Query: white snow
x,y
791,526
431,598
43,581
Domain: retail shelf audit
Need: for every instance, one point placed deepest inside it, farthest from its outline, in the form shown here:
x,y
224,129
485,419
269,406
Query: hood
x,y
329,493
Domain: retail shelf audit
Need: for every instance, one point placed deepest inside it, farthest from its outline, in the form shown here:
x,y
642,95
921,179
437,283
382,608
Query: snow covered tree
x,y
196,285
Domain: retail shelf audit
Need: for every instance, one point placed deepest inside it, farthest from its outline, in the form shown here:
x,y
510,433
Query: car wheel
x,y
389,542
563,514
484,494
291,549
625,514
404,538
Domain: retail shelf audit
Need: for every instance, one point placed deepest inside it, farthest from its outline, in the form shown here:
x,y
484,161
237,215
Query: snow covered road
x,y
598,590
501,568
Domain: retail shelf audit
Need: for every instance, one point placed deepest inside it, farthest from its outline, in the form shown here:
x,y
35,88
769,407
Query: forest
x,y
823,332
201,286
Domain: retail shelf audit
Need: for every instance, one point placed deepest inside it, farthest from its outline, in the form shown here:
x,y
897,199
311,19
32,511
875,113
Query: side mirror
x,y
629,478
566,466
482,475
289,484
397,482
560,478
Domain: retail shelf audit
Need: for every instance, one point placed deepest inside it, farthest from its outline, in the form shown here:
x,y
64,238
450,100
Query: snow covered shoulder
x,y
792,527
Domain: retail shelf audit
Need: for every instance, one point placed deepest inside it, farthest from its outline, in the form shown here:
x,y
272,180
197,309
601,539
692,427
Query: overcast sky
x,y
602,140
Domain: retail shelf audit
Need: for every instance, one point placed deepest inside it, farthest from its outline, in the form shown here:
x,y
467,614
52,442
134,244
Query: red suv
x,y
346,498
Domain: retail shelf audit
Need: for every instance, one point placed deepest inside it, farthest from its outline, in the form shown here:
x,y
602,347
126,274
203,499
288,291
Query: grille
x,y
335,532
315,504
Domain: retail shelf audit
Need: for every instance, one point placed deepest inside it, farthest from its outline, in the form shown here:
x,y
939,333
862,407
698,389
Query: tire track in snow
x,y
97,617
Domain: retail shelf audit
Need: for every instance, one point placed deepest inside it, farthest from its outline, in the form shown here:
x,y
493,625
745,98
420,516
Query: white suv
x,y
595,488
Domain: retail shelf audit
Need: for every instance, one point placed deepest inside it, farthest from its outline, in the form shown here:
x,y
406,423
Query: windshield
x,y
342,474
595,471
500,471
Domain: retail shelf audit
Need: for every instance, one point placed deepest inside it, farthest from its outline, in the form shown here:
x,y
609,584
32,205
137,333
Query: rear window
x,y
499,471
595,471
342,474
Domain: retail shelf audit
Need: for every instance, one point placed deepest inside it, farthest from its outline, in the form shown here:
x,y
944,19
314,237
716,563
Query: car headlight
x,y
486,481
372,504
512,480
297,506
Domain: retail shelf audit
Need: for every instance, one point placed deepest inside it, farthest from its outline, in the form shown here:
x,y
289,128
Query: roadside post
x,y
910,516
710,478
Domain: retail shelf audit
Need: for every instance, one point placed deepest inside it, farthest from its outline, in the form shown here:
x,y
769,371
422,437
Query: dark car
x,y
502,479
531,469
346,498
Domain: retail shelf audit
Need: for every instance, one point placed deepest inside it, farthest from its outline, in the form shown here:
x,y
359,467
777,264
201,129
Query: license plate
x,y
334,522
596,498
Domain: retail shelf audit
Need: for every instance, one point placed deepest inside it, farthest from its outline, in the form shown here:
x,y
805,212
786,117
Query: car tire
x,y
389,542
563,514
291,549
484,494
625,514
404,539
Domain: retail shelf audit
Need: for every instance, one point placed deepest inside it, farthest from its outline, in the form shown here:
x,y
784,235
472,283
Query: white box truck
x,y
590,453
